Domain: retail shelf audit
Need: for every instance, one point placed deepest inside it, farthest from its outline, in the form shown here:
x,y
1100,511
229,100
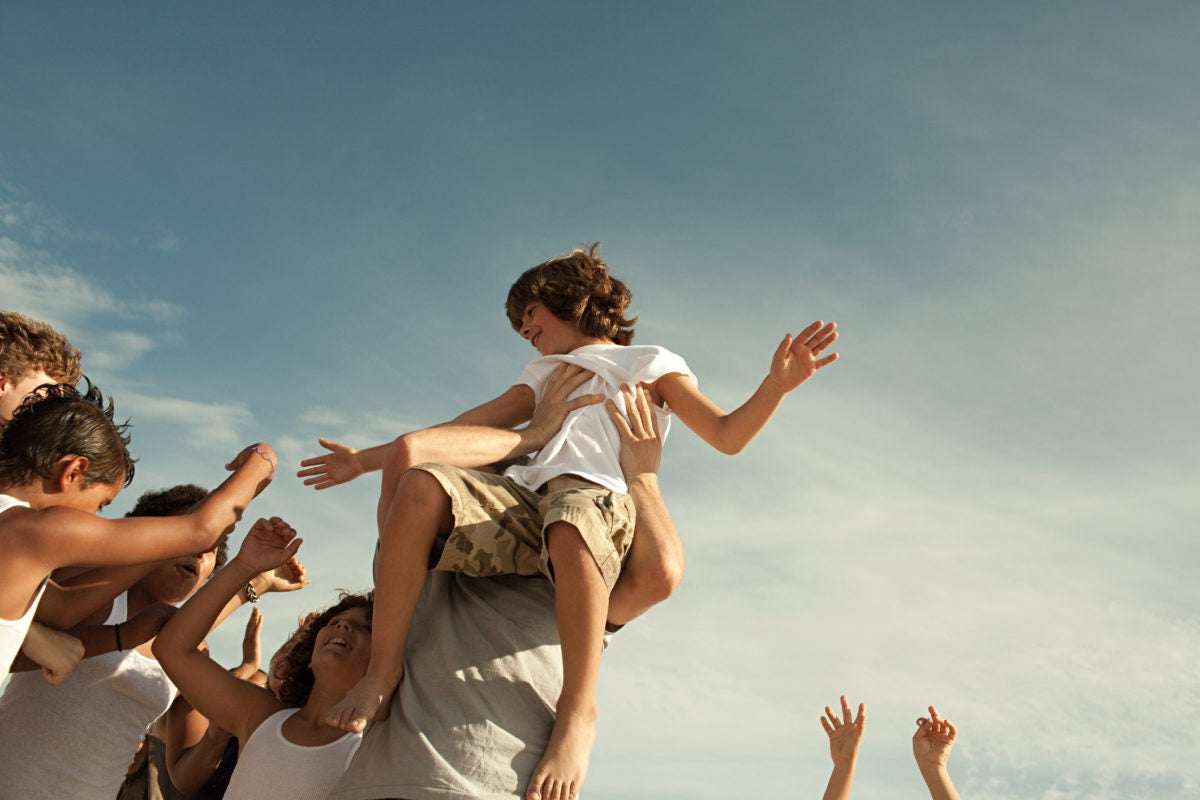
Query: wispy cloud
x,y
201,424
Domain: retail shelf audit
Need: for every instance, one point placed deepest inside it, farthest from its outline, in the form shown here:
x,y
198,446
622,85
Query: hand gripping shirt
x,y
588,444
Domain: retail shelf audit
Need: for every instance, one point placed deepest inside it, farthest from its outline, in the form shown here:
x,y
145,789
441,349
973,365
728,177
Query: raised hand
x,y
797,358
259,450
268,544
845,734
251,646
340,465
933,739
556,402
287,577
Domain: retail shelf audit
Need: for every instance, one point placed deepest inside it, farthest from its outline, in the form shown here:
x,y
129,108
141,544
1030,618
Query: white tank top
x,y
12,631
76,740
271,766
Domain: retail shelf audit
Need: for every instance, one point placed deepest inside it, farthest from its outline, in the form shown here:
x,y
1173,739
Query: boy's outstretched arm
x,y
931,748
61,536
795,361
476,438
654,567
845,736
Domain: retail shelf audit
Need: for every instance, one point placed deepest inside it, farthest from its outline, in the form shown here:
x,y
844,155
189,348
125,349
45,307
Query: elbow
x,y
404,453
731,449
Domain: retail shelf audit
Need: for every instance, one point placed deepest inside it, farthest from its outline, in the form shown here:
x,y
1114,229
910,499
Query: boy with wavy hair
x,y
565,513
31,354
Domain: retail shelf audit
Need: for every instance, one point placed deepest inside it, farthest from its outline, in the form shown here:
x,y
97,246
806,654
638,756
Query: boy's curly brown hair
x,y
576,288
28,346
292,667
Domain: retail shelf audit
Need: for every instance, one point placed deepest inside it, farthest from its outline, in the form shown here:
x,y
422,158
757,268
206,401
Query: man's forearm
x,y
654,567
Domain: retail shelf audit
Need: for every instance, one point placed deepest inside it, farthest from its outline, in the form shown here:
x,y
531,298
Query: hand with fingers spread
x,y
556,403
931,744
340,465
641,444
798,358
845,736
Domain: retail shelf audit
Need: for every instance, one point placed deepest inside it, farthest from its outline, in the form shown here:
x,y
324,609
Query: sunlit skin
x,y
550,335
11,394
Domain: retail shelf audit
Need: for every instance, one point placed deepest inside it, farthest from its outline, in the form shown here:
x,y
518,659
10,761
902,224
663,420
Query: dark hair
x,y
28,346
293,669
172,503
55,421
575,288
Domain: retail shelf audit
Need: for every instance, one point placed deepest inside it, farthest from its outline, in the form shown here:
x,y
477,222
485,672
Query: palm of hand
x,y
264,548
932,748
843,742
341,466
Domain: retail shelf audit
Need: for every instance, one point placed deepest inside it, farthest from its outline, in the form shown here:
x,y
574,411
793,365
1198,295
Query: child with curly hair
x,y
288,750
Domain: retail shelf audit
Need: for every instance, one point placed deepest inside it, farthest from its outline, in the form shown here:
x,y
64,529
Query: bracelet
x,y
117,631
266,456
251,595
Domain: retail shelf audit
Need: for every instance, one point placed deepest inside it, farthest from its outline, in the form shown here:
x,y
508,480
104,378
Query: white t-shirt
x,y
588,445
12,631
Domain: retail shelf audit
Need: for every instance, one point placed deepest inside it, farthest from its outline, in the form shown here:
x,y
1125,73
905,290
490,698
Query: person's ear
x,y
3,382
71,470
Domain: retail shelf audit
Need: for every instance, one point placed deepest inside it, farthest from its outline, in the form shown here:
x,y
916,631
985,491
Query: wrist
x,y
644,480
243,573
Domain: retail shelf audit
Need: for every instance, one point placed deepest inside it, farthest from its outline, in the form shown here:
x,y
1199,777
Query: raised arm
x,y
481,436
931,748
795,361
195,746
654,567
225,700
62,536
845,736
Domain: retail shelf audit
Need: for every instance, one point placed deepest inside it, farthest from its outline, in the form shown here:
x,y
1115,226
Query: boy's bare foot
x,y
367,700
560,773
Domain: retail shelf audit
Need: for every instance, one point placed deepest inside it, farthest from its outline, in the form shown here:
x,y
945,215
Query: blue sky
x,y
278,221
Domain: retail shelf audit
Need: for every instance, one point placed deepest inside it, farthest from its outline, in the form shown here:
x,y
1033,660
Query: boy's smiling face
x,y
549,334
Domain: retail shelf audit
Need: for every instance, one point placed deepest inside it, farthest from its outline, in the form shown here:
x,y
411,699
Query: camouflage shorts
x,y
499,526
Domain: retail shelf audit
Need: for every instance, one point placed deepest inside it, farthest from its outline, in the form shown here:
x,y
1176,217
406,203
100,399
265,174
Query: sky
x,y
282,220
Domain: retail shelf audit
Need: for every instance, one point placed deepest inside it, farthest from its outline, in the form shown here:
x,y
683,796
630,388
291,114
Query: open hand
x,y
845,734
556,402
338,466
797,358
641,445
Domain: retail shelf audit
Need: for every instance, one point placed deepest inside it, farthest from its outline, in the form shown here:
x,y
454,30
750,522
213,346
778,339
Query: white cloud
x,y
203,424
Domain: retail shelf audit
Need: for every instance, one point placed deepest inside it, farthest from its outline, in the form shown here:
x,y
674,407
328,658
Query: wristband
x,y
267,457
251,595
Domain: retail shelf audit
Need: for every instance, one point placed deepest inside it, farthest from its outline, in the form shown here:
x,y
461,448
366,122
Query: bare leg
x,y
419,511
581,605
